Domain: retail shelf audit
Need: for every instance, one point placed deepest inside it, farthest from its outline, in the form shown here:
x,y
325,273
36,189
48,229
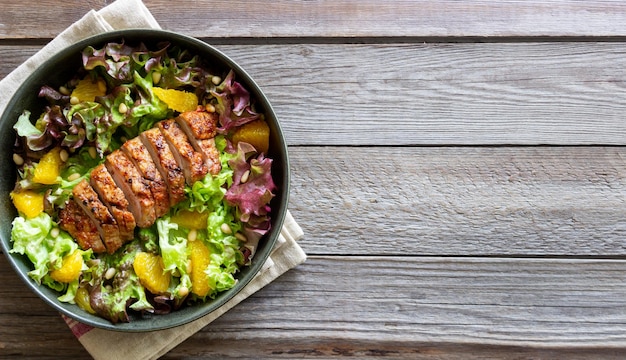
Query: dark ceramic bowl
x,y
57,71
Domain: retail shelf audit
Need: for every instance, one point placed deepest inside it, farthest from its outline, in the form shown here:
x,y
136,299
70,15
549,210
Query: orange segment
x,y
200,258
177,100
255,133
88,88
70,269
48,168
28,203
150,270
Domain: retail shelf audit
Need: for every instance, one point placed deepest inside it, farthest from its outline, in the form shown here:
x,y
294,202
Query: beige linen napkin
x,y
104,344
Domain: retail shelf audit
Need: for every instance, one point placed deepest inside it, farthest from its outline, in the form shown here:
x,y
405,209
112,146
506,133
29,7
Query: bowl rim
x,y
175,318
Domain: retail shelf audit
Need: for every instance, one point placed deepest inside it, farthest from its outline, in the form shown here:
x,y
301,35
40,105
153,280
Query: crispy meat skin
x,y
113,197
130,180
166,163
194,167
201,128
198,124
141,158
87,198
81,227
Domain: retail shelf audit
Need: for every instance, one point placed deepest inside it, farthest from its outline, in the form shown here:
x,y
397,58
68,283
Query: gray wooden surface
x,y
459,171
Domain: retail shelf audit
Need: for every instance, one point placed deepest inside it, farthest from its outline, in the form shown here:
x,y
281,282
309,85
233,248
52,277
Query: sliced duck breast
x,y
87,198
191,161
113,197
74,220
140,156
201,128
165,162
129,179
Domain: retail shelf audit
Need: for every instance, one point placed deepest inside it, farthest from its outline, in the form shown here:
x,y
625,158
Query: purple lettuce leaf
x,y
252,188
52,129
233,104
53,96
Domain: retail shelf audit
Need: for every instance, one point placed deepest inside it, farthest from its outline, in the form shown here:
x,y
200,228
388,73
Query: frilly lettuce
x,y
176,67
173,245
51,129
252,197
233,104
110,298
32,237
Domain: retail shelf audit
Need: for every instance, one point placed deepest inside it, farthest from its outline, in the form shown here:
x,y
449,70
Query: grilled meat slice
x,y
166,163
200,125
194,167
87,198
74,220
130,180
211,155
113,197
140,156
201,128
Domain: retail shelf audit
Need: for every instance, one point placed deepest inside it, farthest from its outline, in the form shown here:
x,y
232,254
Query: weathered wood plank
x,y
514,93
461,300
340,18
327,348
437,94
529,201
386,304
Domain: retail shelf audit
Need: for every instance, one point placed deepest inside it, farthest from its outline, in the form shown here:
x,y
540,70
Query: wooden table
x,y
459,170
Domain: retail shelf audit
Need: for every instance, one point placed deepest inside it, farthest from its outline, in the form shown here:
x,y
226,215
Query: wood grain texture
x,y
460,300
436,94
503,201
489,306
340,18
440,94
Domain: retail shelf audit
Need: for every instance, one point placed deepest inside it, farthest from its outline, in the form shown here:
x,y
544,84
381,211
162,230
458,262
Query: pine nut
x,y
156,77
64,155
193,235
209,108
92,152
73,177
54,232
74,100
216,80
226,229
18,160
245,177
110,273
241,237
122,108
64,91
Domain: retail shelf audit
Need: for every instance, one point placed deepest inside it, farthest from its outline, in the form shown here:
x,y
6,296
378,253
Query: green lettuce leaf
x,y
173,244
31,237
110,298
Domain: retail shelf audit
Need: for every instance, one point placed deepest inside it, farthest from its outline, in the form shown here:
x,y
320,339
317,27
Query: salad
x,y
120,222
